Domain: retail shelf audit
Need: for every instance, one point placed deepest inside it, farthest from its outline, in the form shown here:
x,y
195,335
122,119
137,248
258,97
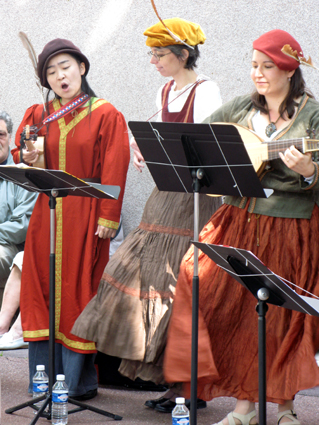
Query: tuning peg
x,y
311,133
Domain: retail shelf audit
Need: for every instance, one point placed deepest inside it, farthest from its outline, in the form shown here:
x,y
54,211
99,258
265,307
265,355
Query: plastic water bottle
x,y
40,384
180,414
60,394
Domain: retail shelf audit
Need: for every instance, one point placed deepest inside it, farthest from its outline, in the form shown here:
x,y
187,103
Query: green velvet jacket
x,y
292,196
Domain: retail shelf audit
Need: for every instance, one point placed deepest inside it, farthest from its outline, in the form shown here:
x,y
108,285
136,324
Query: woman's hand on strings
x,y
30,157
298,162
105,232
138,157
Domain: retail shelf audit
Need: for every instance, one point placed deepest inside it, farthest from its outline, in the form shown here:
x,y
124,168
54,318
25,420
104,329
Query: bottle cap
x,y
40,367
180,400
60,377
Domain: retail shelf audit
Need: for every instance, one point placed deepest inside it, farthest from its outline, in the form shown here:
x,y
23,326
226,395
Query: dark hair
x,y
85,87
194,54
297,88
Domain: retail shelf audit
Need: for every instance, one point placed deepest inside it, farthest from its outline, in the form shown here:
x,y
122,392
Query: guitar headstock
x,y
30,132
27,132
311,133
311,144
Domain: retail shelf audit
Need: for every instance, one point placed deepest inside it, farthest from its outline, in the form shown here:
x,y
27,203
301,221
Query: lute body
x,y
260,152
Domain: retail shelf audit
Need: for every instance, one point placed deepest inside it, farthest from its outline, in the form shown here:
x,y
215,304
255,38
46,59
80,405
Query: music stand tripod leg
x,y
26,404
83,406
41,412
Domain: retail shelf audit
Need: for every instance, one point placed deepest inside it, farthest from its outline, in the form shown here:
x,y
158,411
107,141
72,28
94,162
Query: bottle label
x,y
181,421
59,398
40,387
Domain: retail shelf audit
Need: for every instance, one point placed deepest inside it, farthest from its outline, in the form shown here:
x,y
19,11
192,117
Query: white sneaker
x,y
8,343
317,358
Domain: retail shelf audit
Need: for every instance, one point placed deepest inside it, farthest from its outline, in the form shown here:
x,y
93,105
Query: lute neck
x,y
302,144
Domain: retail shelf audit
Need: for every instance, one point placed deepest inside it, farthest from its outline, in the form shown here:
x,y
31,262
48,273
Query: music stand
x,y
193,158
55,183
266,287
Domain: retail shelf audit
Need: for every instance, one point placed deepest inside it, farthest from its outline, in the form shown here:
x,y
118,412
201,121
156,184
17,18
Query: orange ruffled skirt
x,y
228,322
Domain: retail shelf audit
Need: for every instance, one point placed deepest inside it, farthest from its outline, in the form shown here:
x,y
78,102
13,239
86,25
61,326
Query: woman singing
x,y
90,143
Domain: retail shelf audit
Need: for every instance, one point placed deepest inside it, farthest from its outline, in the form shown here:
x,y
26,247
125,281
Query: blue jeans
x,y
79,370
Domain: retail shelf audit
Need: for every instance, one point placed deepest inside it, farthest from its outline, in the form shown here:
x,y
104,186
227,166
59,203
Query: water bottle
x,y
60,393
180,414
40,384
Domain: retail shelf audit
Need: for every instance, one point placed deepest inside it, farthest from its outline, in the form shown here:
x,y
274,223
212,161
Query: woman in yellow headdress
x,y
130,314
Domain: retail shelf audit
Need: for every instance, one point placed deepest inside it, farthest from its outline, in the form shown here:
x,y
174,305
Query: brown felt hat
x,y
55,47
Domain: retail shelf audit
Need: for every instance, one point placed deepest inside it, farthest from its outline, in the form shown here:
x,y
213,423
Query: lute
x,y
260,152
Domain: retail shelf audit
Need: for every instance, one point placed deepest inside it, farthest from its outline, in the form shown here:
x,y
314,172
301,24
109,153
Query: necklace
x,y
271,127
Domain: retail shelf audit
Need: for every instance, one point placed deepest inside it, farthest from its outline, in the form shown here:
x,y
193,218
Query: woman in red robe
x,y
89,143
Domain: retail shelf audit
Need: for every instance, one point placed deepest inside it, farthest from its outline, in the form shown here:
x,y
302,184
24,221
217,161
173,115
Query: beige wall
x,y
110,33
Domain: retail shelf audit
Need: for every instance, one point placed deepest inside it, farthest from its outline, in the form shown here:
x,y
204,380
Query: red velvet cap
x,y
271,44
55,47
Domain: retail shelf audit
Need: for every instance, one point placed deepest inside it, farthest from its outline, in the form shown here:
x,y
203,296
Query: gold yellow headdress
x,y
174,31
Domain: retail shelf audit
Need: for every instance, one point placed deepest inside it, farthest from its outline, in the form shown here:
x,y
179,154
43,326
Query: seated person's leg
x,y
7,254
11,298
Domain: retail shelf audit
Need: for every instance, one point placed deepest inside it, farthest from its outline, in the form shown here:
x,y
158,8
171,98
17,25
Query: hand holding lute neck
x,y
30,154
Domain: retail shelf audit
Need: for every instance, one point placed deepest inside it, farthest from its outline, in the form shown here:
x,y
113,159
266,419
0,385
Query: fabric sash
x,y
66,109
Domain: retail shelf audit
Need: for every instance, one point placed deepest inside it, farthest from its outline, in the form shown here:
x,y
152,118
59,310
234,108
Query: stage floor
x,y
123,402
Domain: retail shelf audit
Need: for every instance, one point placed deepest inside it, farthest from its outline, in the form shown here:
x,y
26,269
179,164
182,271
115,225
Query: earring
x,y
289,79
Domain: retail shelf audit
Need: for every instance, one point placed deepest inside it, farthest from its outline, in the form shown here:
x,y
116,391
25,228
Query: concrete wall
x,y
110,33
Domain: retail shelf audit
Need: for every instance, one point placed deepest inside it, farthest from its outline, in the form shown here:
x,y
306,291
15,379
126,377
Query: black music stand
x,y
266,287
55,183
193,158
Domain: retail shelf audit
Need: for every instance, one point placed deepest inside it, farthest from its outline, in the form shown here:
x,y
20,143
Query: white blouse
x,y
207,99
260,127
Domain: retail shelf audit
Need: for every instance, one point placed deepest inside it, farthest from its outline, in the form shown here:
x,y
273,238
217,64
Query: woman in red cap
x,y
130,315
89,142
282,231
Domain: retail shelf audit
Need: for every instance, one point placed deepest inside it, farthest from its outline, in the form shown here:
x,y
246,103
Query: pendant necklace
x,y
271,127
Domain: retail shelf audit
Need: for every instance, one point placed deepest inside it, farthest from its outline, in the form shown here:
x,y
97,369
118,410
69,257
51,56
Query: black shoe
x,y
87,396
152,403
168,406
200,404
139,384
